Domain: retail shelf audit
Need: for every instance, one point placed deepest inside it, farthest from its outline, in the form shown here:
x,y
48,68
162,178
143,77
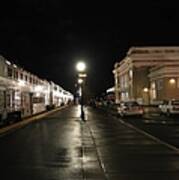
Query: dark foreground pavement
x,y
61,147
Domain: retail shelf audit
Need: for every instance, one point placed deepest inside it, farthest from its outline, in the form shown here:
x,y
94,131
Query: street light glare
x,y
81,66
80,81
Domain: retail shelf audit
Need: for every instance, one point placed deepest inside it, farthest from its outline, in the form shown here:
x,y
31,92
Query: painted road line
x,y
27,121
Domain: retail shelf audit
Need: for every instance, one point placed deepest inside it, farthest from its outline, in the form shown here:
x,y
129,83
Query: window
x,y
34,81
160,84
124,96
21,76
37,100
16,75
30,80
9,72
26,78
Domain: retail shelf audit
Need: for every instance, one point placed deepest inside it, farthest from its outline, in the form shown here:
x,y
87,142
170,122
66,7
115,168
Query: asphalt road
x,y
162,127
62,147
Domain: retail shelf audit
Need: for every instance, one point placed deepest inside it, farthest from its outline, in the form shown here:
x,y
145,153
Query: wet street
x,y
62,147
162,127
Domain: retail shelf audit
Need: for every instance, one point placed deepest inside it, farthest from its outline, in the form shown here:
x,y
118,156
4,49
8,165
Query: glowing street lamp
x,y
172,81
81,66
82,75
80,81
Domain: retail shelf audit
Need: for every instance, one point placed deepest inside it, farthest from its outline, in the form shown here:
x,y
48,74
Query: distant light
x,y
110,90
21,83
38,88
37,94
8,62
172,81
80,81
82,75
130,73
14,66
146,90
81,66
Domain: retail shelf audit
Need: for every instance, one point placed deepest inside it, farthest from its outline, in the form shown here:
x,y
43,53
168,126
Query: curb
x,y
11,128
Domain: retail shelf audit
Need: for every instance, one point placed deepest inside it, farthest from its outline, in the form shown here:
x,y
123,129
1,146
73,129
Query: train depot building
x,y
148,75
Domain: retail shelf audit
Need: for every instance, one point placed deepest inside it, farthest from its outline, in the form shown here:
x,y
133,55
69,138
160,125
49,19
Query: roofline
x,y
151,48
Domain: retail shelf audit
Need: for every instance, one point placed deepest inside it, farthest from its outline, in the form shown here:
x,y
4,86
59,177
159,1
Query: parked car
x,y
130,108
114,108
169,107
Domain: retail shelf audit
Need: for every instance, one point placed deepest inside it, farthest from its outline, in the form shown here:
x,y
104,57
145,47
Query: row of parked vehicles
x,y
169,107
128,108
24,94
131,108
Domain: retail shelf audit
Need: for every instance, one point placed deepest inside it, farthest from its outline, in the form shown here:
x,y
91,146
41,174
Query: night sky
x,y
47,37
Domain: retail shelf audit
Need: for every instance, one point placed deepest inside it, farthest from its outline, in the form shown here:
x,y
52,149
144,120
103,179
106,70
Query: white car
x,y
130,108
169,107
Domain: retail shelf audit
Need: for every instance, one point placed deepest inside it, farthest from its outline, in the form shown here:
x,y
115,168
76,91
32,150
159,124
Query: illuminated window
x,y
153,91
172,81
124,96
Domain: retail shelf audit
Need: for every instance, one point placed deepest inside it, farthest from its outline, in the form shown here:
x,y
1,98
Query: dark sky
x,y
47,37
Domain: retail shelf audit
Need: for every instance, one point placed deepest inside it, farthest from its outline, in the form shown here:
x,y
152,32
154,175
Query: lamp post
x,y
81,67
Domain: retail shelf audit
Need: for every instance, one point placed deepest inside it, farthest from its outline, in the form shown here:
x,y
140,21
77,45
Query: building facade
x,y
148,75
